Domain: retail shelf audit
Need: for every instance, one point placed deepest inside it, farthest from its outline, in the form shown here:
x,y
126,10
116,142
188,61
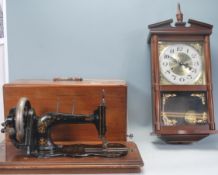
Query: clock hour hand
x,y
174,59
186,65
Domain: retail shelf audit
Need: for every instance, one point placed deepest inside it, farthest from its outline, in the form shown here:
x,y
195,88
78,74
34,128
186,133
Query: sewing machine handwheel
x,y
22,110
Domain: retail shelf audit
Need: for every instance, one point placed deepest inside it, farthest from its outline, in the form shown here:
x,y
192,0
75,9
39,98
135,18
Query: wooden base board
x,y
182,139
13,161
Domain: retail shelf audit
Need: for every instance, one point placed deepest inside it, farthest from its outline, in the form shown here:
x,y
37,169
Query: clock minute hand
x,y
187,65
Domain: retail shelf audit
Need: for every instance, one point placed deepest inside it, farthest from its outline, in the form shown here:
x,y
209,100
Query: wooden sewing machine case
x,y
78,97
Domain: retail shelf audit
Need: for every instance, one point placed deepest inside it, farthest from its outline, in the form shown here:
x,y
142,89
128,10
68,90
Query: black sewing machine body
x,y
32,133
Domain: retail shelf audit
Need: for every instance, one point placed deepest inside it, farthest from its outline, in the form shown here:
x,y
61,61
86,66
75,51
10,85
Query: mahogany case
x,y
194,31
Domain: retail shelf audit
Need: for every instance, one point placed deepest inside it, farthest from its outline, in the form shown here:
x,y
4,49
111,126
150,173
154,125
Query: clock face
x,y
180,64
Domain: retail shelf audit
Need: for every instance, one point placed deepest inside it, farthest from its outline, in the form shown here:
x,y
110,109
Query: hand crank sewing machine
x,y
32,133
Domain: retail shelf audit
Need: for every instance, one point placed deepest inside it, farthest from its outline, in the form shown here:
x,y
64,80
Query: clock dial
x,y
180,64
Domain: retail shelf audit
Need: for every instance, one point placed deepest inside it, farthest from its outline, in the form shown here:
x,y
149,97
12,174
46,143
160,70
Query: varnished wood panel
x,y
85,96
16,162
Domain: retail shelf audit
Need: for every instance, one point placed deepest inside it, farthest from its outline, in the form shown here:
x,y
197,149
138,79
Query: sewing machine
x,y
67,127
32,133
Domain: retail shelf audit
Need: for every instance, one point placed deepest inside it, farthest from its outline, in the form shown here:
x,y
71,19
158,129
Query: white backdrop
x,y
106,39
3,59
1,79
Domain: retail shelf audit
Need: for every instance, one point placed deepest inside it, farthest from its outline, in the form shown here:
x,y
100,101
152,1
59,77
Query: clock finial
x,y
179,15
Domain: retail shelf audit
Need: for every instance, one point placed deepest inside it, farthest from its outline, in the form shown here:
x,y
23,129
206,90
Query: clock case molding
x,y
181,32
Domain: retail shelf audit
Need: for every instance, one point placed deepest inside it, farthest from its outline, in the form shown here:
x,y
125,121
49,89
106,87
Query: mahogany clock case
x,y
82,97
193,32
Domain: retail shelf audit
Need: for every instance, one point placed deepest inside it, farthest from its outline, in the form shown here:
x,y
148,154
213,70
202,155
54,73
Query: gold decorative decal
x,y
41,128
167,121
166,97
201,96
42,141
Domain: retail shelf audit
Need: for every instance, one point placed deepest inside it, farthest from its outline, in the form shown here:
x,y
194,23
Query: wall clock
x,y
181,80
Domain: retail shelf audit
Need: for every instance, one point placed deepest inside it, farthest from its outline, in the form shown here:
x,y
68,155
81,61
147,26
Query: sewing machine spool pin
x,y
73,106
103,101
57,104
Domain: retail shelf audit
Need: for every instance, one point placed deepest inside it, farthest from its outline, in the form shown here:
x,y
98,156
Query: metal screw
x,y
130,136
3,130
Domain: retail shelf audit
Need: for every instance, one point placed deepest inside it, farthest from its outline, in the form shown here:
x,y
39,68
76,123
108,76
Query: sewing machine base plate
x,y
13,161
